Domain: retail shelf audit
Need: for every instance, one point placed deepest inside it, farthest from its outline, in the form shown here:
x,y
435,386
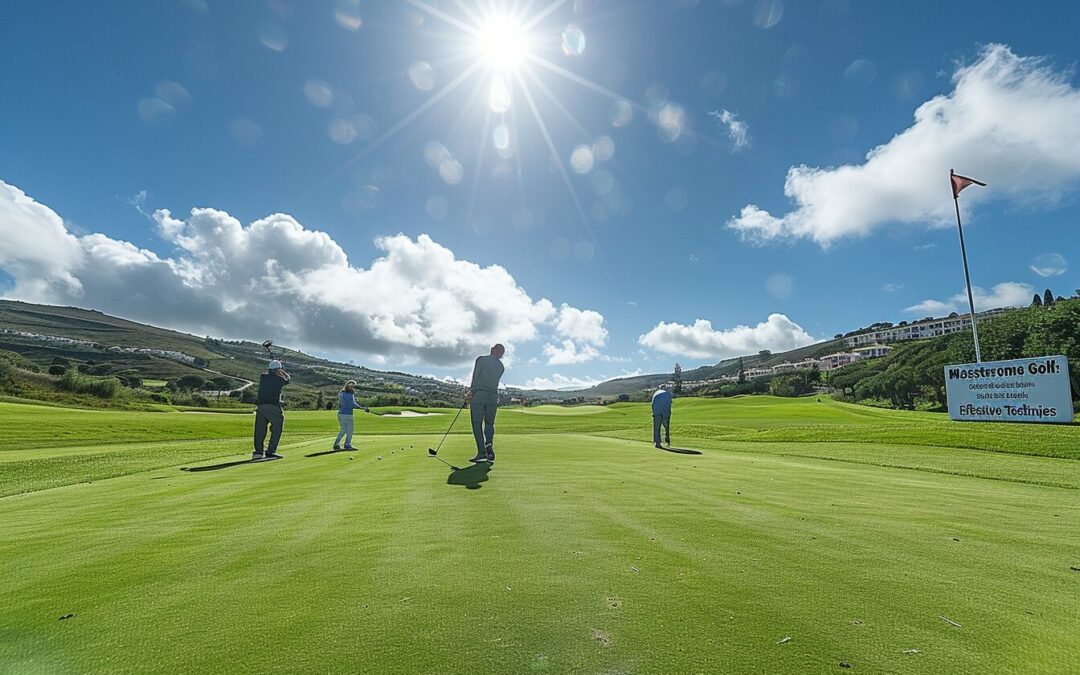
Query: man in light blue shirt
x,y
483,401
661,415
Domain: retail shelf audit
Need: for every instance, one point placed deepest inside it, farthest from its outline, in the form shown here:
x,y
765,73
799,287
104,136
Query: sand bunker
x,y
410,413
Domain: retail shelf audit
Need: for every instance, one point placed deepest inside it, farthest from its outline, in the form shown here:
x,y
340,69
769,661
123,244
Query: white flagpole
x,y
967,275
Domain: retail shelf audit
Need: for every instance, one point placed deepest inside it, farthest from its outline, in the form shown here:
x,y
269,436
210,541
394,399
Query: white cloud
x,y
931,308
1049,265
35,247
569,352
583,325
1009,121
561,382
700,340
583,333
1005,294
274,278
738,130
892,287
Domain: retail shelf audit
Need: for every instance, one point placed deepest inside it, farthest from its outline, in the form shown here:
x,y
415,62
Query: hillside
x,y
104,345
100,345
912,374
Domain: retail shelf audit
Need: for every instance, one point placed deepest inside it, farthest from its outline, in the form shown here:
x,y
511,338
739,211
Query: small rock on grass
x,y
66,616
845,664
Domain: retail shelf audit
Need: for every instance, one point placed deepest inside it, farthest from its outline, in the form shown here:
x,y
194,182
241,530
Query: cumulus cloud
x,y
561,382
1010,120
1006,294
569,352
416,302
569,383
700,340
583,333
738,130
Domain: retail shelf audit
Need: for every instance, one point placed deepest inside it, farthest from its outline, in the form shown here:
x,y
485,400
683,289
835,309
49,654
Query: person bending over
x,y
661,415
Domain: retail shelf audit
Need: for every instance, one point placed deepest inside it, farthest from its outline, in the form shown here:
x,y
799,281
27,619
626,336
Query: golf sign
x,y
1021,390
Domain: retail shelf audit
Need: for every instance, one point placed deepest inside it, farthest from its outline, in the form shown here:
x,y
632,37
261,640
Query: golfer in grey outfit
x,y
483,400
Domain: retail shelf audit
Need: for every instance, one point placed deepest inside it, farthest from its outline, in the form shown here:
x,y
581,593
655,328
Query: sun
x,y
502,43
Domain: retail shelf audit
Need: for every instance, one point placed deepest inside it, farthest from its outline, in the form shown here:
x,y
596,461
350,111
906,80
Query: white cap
x,y
274,365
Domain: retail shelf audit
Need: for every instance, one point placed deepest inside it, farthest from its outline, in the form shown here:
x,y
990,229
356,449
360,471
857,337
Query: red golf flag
x,y
960,182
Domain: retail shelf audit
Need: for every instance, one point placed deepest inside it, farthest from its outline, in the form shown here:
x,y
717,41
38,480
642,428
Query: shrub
x,y
57,369
190,382
102,387
795,383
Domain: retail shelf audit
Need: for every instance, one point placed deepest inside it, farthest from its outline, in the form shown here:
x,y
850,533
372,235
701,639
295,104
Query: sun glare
x,y
502,43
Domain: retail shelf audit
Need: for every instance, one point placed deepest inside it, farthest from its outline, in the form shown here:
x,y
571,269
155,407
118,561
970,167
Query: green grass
x,y
560,410
850,530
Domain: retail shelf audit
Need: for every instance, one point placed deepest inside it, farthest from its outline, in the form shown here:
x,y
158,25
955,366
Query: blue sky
x,y
114,112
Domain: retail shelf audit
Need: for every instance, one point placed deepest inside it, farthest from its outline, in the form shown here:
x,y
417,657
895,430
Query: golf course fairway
x,y
779,535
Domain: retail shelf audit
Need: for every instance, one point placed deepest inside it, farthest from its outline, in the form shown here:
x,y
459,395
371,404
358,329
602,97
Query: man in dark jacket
x,y
269,411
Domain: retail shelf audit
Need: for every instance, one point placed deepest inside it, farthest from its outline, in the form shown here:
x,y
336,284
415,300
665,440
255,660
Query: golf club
x,y
434,452
267,346
455,468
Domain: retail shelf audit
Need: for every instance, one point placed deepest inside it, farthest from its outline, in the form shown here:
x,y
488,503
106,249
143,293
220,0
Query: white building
x,y
838,360
872,351
917,330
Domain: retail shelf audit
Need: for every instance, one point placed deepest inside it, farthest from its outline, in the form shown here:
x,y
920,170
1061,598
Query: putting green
x,y
584,550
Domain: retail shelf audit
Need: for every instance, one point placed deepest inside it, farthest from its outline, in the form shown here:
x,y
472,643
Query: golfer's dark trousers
x,y
272,414
482,410
657,422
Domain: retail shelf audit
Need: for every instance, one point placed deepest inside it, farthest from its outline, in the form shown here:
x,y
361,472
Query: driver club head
x,y
432,451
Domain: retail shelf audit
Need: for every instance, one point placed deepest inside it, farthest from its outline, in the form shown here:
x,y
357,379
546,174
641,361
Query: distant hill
x,y
42,334
105,345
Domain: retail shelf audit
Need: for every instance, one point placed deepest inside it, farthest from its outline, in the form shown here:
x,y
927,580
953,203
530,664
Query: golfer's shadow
x,y
681,451
215,467
328,452
469,476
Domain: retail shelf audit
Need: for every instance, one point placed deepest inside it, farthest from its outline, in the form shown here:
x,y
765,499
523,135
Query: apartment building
x,y
918,330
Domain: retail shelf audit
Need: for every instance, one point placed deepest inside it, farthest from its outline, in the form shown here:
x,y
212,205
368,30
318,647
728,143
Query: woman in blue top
x,y
346,404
